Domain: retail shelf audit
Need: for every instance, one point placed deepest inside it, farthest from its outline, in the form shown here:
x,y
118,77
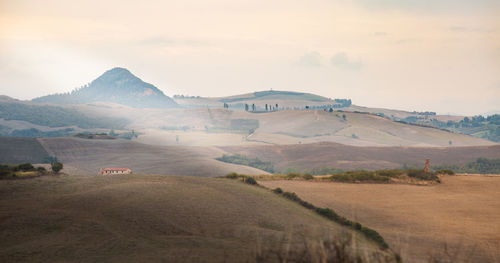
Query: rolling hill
x,y
15,150
88,156
455,221
220,127
333,155
163,219
284,99
117,85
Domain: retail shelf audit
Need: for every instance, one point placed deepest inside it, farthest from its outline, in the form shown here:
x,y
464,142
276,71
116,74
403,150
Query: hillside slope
x,y
144,218
284,99
455,221
117,85
88,156
290,127
333,155
21,150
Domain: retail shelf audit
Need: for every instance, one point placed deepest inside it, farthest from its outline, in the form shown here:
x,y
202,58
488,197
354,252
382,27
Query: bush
x,y
390,173
249,180
41,170
25,167
56,167
358,176
374,235
293,175
278,191
332,215
244,160
232,175
308,177
445,171
421,174
245,178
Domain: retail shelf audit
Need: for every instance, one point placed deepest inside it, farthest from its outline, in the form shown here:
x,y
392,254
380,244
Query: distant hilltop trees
x,y
341,103
186,97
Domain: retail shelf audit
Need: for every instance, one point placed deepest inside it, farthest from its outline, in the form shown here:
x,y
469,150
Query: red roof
x,y
115,169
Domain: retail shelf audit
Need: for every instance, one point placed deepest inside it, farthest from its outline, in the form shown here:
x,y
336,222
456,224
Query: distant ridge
x,y
117,85
274,94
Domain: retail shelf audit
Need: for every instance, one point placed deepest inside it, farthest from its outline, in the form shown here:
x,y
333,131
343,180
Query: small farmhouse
x,y
111,171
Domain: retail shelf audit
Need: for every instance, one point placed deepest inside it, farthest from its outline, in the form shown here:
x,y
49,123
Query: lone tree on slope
x,y
56,167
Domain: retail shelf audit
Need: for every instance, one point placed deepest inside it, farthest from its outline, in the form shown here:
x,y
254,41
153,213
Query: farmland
x,y
460,214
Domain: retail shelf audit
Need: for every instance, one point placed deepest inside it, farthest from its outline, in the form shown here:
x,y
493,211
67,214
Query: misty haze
x,y
236,131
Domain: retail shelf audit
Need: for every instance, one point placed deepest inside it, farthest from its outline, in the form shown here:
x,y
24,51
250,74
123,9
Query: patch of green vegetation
x,y
479,166
445,171
297,175
359,176
314,171
243,160
326,212
333,216
378,176
245,178
478,126
20,170
54,116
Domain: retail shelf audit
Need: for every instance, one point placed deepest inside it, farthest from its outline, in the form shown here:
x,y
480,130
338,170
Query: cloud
x,y
341,60
311,59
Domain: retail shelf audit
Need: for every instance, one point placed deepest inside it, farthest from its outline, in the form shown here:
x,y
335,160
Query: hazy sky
x,y
437,55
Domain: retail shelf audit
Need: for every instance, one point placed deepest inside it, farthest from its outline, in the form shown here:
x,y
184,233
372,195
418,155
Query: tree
x,y
56,167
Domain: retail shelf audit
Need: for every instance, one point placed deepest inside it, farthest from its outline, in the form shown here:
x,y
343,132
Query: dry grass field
x,y
88,156
308,126
334,155
461,214
21,150
148,218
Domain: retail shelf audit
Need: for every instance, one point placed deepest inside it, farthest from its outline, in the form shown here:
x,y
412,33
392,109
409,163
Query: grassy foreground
x,y
166,218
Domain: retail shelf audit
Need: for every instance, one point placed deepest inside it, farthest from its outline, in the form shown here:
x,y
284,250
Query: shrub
x,y
278,191
374,235
445,171
249,180
308,176
232,175
332,215
355,176
41,170
421,174
390,173
56,167
293,175
25,167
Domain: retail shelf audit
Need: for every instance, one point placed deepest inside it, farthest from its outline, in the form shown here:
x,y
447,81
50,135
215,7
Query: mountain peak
x,y
117,85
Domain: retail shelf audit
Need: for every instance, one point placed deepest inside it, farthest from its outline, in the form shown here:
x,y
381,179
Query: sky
x,y
440,55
